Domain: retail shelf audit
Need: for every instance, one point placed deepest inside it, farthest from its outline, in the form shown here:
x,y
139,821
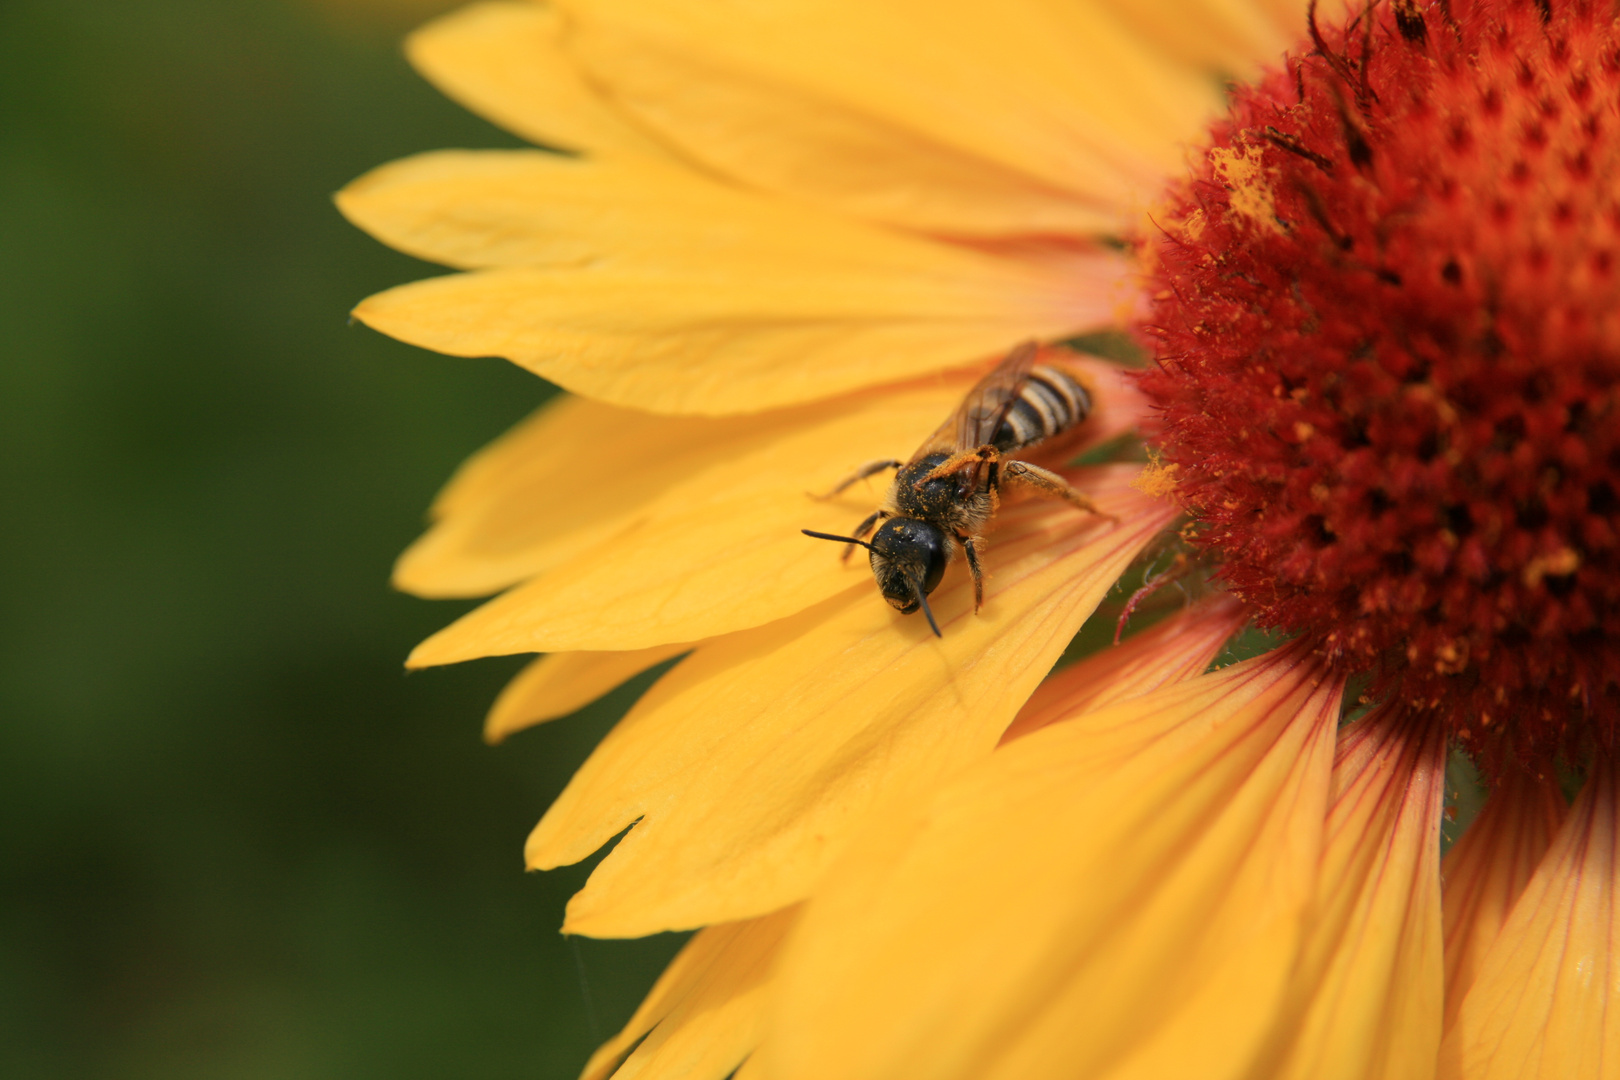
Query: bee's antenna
x,y
840,539
922,598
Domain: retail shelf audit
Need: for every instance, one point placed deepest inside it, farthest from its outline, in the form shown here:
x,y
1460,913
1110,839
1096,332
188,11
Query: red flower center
x,y
1386,310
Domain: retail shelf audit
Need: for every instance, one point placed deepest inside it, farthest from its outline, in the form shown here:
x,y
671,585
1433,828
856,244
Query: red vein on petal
x,y
1488,869
1540,1005
1179,648
1119,895
1366,994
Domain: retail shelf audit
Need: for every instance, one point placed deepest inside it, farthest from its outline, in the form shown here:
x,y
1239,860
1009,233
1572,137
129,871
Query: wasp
x,y
944,497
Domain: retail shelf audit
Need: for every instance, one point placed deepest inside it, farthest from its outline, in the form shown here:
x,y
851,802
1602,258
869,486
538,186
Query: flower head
x,y
785,240
1389,352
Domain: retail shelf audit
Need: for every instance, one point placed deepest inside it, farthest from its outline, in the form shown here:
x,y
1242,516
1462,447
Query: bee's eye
x,y
936,562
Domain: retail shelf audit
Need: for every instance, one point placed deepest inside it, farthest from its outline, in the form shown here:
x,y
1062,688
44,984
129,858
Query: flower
x,y
1380,294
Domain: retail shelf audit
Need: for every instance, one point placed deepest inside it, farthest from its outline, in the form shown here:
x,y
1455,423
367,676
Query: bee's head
x,y
908,560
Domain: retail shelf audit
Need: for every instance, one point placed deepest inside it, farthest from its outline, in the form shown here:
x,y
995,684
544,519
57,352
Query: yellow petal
x,y
721,550
472,208
1288,16
1487,870
562,683
1543,1002
1232,37
504,62
703,1016
1177,649
747,766
798,310
480,208
556,486
1120,895
946,116
1367,992
570,477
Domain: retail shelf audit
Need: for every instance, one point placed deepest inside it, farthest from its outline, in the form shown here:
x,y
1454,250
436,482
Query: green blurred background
x,y
237,840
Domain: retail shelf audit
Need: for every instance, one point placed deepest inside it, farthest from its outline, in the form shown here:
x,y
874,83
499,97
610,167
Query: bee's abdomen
x,y
1051,402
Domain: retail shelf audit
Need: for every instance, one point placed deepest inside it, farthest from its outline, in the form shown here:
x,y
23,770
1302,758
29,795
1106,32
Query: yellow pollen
x,y
1157,479
1558,564
1243,173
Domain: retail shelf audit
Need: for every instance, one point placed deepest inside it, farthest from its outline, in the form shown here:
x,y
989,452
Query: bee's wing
x,y
984,408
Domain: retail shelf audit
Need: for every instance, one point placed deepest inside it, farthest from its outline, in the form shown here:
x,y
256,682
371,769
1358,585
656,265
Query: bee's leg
x,y
967,543
1047,485
975,459
871,468
863,528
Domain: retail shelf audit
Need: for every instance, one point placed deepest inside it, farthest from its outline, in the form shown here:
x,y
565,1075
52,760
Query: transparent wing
x,y
984,408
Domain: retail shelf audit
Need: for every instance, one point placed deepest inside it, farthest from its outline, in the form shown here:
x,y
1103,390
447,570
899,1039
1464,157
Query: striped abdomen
x,y
1050,403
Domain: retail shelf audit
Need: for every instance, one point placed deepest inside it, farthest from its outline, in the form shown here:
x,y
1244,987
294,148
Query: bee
x,y
944,497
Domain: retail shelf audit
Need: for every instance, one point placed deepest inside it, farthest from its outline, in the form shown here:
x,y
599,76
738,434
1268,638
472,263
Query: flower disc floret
x,y
1387,317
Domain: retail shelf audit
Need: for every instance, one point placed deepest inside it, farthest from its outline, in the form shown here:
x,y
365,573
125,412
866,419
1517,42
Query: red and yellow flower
x,y
769,242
